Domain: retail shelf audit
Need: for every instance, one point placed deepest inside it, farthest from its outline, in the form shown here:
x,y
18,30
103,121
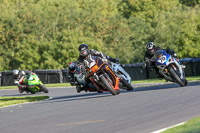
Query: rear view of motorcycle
x,y
170,68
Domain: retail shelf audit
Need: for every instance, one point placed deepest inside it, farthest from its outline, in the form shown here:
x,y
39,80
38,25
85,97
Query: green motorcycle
x,y
34,84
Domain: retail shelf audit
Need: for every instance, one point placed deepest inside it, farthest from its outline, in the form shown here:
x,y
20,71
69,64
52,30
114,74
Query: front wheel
x,y
125,83
43,88
186,82
108,86
176,77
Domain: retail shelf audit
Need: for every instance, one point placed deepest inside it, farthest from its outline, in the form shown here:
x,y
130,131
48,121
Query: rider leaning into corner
x,y
149,57
85,57
21,80
86,53
18,80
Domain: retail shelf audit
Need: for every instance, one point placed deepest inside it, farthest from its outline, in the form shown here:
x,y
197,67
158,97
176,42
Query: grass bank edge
x,y
47,85
7,101
192,126
193,78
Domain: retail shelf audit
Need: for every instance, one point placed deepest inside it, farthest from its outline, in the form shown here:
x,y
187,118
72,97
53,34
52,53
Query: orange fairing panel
x,y
107,68
94,68
116,87
117,84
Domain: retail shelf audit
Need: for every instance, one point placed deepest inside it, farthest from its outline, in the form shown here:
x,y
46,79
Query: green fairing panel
x,y
33,82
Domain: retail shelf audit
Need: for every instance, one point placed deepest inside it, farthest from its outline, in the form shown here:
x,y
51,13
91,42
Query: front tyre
x,y
186,82
108,86
125,83
43,88
176,77
118,91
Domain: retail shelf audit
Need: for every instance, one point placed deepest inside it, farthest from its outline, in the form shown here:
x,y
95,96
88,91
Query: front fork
x,y
180,70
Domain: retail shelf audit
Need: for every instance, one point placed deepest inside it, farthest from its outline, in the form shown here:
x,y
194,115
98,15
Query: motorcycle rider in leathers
x,y
150,60
86,58
21,80
18,80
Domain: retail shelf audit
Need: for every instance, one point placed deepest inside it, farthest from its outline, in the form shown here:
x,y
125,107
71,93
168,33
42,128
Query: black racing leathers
x,y
18,80
149,59
87,60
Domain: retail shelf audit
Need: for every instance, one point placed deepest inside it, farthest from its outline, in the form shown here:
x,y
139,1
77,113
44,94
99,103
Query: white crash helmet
x,y
150,47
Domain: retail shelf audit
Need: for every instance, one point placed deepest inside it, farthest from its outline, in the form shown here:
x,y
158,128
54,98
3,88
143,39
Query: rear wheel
x,y
176,77
125,83
43,88
108,86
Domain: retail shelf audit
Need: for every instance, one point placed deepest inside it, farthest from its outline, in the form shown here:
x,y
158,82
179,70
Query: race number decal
x,y
162,59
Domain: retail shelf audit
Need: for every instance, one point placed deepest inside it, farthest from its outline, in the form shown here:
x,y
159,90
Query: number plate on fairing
x,y
162,59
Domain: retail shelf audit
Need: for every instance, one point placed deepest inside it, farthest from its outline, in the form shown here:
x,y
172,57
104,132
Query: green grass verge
x,y
47,85
58,85
193,78
192,126
5,101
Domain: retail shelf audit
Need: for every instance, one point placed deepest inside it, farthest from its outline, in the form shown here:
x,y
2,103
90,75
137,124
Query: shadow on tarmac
x,y
165,86
23,94
92,95
85,96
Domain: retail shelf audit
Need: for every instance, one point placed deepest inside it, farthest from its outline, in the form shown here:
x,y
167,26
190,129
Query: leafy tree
x,y
45,34
191,3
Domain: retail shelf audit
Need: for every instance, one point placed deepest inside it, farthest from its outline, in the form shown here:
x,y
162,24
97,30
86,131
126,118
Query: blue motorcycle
x,y
170,68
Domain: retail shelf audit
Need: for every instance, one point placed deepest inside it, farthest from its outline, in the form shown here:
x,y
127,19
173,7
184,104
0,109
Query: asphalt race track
x,y
144,110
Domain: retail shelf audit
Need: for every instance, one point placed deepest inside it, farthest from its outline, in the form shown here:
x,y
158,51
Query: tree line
x,y
45,34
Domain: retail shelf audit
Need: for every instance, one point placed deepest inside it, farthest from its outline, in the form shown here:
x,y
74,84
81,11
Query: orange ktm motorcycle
x,y
102,76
